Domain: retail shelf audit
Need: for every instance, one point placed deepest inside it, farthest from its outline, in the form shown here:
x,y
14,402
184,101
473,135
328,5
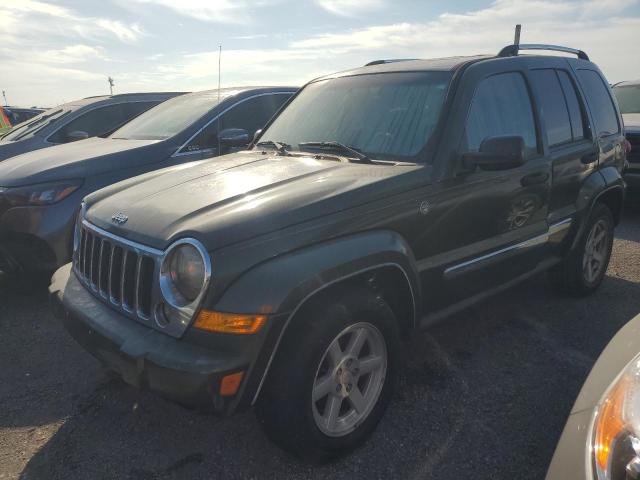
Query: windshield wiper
x,y
281,147
351,151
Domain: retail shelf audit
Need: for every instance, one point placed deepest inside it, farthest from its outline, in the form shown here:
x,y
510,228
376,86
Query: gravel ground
x,y
486,395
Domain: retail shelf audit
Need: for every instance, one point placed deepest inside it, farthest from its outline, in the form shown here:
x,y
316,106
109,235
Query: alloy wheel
x,y
595,251
349,379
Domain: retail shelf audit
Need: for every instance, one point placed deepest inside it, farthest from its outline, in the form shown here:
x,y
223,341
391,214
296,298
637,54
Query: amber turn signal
x,y
230,384
221,322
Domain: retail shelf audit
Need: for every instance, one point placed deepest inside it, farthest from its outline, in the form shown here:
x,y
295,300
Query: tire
x,y
572,276
308,365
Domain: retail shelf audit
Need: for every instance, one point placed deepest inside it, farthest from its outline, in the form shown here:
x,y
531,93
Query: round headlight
x,y
186,269
184,273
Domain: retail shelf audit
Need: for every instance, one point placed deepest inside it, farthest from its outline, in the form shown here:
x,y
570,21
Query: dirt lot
x,y
485,396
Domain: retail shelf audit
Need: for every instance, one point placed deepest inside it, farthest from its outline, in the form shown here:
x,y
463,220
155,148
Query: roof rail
x,y
391,60
512,50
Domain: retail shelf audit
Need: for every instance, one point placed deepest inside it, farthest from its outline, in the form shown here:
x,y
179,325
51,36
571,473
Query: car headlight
x,y
616,428
41,194
184,276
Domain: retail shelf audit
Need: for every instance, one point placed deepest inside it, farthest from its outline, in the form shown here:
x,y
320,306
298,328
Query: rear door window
x,y
576,112
501,106
553,107
600,103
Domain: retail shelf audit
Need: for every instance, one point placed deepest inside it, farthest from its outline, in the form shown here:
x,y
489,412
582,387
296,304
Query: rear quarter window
x,y
600,102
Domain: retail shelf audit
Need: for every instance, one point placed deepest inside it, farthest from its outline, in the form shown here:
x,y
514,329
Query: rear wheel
x,y
333,377
584,268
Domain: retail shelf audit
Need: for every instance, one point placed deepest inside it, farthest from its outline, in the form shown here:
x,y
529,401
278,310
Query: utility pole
x,y
111,84
5,98
516,40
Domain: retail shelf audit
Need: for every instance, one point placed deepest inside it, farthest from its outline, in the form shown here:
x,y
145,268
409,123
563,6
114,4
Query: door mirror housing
x,y
77,135
234,137
256,135
497,153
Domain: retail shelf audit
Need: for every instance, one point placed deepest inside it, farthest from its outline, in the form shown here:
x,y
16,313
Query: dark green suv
x,y
378,201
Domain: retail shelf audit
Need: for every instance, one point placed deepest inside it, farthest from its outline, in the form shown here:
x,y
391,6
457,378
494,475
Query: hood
x,y
11,149
238,196
631,121
77,160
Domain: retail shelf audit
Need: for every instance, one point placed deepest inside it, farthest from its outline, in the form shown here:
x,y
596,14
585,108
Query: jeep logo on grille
x,y
119,218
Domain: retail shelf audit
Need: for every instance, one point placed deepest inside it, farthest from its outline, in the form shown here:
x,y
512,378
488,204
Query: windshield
x,y
628,98
169,118
29,128
388,116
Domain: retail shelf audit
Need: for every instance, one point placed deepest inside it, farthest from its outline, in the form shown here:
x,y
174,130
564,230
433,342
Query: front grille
x,y
121,273
634,140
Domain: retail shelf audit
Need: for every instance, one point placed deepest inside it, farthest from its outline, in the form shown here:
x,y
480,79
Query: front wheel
x,y
333,378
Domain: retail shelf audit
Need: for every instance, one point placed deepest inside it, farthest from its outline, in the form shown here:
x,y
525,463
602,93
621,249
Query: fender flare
x,y
304,273
605,180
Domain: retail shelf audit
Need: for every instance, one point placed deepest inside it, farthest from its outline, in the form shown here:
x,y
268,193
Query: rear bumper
x,y
186,372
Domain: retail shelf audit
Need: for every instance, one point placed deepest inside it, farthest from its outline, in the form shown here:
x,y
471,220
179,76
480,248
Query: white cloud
x,y
41,73
215,11
70,54
605,35
16,14
350,8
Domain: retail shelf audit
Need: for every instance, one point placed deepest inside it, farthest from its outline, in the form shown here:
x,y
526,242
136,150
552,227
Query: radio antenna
x,y
219,75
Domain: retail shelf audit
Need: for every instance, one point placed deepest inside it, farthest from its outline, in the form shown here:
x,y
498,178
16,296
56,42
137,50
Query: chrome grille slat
x,y
93,249
136,285
100,256
119,272
123,278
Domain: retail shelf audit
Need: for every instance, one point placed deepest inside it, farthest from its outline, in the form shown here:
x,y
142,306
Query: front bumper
x,y
184,371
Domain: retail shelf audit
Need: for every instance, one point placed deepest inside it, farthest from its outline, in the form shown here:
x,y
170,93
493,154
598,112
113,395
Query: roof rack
x,y
512,50
391,60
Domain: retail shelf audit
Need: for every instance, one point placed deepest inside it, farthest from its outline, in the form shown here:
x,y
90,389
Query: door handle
x,y
589,158
534,179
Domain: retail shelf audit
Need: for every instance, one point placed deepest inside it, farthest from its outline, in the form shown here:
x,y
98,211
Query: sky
x,y
57,51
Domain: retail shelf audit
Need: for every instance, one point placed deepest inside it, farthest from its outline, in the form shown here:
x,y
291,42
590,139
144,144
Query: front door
x,y
493,224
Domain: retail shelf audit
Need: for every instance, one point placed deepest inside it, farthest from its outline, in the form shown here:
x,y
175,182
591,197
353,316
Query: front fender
x,y
281,284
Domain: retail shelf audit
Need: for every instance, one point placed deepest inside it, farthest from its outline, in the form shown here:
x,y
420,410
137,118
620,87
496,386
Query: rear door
x,y
607,125
568,139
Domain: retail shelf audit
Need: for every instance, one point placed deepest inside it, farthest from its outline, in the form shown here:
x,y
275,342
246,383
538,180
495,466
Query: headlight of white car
x,y
615,445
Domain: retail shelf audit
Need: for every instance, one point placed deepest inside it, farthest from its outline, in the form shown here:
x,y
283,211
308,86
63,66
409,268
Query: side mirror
x,y
234,137
497,153
256,136
77,135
